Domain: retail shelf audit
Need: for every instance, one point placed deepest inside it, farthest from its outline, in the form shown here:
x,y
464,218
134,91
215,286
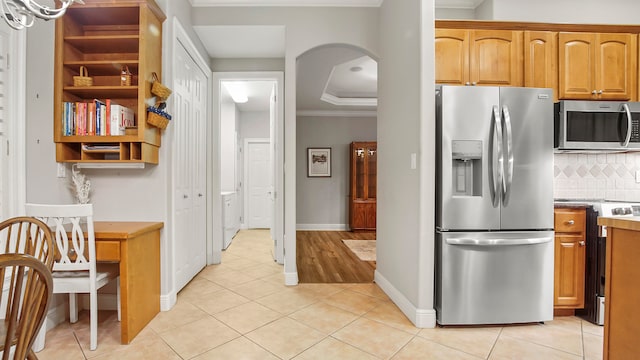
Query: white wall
x,y
406,126
565,11
228,146
323,202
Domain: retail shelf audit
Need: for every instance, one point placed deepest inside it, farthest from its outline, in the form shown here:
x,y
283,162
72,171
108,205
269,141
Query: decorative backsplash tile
x,y
596,176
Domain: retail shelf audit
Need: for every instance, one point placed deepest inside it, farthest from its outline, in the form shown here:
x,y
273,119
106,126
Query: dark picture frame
x,y
319,162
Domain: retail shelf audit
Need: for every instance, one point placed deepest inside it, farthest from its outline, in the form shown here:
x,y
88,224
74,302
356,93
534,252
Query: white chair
x,y
74,268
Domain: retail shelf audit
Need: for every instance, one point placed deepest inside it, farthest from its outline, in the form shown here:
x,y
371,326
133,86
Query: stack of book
x,y
97,117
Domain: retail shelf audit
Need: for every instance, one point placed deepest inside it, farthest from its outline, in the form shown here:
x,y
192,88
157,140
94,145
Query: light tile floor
x,y
241,310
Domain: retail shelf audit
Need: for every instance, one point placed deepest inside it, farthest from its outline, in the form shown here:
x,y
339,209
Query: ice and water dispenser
x,y
466,173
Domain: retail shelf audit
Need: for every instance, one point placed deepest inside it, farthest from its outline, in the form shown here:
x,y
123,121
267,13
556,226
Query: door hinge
x,y
7,147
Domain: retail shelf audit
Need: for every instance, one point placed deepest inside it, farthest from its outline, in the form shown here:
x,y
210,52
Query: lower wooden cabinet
x,y
363,215
570,256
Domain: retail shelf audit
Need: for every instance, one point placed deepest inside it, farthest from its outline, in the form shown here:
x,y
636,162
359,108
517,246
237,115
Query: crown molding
x,y
338,113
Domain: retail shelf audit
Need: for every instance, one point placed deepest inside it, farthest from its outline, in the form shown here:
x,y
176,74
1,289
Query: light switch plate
x,y
62,170
414,161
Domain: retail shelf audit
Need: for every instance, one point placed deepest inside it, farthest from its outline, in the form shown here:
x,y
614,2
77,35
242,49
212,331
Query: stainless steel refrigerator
x,y
494,199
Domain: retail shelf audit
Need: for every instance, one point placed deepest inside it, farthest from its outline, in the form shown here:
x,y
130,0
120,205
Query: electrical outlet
x,y
62,170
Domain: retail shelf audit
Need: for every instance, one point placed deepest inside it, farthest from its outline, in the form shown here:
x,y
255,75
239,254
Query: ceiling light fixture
x,y
356,68
20,14
237,90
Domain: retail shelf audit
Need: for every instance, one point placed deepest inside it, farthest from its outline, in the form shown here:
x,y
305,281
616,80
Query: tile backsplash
x,y
596,176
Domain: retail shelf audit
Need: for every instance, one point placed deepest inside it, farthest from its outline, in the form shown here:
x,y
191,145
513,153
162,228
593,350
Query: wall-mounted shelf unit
x,y
104,36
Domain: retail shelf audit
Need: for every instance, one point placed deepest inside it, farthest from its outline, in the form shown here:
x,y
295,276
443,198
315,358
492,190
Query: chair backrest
x,y
27,235
28,286
69,224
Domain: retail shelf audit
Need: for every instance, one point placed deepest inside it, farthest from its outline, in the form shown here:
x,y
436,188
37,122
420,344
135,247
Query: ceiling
x,y
323,73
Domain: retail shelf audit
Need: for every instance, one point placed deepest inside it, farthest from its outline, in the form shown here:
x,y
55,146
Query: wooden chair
x,y
27,235
25,289
75,270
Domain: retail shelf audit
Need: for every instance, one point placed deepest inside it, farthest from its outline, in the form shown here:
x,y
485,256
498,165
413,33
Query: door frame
x,y
278,210
245,177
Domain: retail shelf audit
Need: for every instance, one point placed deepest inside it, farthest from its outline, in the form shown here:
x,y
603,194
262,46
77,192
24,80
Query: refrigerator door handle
x,y
625,107
495,171
508,169
498,242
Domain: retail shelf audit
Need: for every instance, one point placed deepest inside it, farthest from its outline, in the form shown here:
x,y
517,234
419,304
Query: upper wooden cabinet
x,y
104,37
541,60
478,57
598,66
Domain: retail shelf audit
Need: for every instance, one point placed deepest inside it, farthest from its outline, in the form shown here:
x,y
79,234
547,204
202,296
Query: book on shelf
x,y
97,117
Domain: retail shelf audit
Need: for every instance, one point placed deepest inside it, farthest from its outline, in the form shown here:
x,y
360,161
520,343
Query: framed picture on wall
x,y
319,162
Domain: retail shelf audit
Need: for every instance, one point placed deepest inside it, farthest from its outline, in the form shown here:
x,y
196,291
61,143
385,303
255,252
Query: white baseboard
x,y
168,301
323,227
291,278
57,315
421,318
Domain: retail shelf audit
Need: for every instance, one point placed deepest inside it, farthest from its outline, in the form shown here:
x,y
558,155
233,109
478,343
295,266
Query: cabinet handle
x,y
581,243
467,83
599,92
594,92
570,222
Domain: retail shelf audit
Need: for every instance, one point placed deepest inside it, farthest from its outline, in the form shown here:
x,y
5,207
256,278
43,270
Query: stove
x,y
596,244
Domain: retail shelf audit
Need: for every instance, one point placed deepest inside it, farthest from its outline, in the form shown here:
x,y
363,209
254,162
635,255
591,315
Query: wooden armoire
x,y
362,201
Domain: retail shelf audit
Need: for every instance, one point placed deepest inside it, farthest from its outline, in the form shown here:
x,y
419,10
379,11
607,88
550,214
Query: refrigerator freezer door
x,y
467,163
494,277
527,118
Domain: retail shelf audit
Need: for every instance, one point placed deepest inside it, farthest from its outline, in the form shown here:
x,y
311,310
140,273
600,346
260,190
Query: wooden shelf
x,y
104,36
98,43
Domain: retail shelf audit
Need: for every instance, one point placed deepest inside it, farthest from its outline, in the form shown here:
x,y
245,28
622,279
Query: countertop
x,y
626,223
571,205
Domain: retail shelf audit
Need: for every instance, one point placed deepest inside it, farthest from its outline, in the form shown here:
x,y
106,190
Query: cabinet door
x,y
575,65
495,57
452,56
569,271
541,60
615,66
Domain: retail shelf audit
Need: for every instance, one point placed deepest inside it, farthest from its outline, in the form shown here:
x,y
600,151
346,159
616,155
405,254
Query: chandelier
x,y
20,14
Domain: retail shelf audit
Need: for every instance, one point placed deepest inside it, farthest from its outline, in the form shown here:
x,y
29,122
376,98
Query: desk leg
x,y
139,283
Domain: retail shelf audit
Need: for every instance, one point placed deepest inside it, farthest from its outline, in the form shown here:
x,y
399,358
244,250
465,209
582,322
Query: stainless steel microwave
x,y
597,125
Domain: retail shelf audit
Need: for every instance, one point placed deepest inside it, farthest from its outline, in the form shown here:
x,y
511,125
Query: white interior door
x,y
258,184
189,171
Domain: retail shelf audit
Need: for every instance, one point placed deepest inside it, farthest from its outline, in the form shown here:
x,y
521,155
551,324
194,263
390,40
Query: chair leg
x,y
93,321
38,343
118,297
73,308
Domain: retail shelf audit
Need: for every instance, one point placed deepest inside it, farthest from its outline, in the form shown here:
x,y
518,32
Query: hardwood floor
x,y
323,258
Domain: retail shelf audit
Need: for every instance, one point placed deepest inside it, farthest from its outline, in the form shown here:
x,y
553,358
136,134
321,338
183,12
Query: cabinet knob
x,y
599,92
570,222
467,83
581,243
594,92
474,83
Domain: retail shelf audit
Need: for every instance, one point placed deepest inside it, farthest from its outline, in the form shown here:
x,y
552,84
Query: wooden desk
x,y
136,246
